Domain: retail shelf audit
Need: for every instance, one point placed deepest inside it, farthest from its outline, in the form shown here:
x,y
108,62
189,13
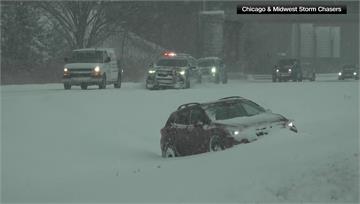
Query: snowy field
x,y
104,146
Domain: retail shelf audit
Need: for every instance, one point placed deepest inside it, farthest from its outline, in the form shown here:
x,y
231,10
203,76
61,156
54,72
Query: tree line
x,y
36,35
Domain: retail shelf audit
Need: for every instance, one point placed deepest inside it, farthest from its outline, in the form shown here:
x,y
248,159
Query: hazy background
x,y
36,36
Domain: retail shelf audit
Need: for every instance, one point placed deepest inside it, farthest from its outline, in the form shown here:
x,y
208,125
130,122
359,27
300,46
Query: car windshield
x,y
206,63
348,67
228,110
286,62
172,62
87,57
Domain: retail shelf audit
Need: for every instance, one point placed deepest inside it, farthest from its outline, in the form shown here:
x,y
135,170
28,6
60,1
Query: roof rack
x,y
231,97
187,105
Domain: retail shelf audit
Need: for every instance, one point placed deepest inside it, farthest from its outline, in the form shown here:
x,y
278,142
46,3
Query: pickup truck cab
x,y
92,66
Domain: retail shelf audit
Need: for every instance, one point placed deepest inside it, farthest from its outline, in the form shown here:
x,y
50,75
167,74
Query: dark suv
x,y
287,69
212,69
349,72
202,127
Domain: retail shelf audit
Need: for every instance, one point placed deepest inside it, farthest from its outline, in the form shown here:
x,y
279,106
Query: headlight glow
x,y
233,131
66,69
277,70
151,71
289,70
97,69
340,73
290,124
355,73
182,72
213,69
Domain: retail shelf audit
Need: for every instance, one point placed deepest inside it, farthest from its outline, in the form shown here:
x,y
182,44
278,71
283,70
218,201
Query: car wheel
x,y
67,86
117,85
274,79
102,85
199,79
225,79
215,144
217,79
169,152
187,83
83,86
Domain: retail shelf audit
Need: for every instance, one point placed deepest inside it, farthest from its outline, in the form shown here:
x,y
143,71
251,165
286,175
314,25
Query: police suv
x,y
172,70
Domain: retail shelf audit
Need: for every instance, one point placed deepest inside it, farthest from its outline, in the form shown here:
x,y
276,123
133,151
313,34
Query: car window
x,y
182,117
171,119
197,115
225,110
87,56
206,63
172,62
252,108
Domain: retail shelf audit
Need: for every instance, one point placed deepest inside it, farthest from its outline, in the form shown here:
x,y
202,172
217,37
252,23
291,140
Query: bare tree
x,y
83,23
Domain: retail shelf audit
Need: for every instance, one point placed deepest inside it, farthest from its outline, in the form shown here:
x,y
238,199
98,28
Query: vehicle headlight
x,y
97,69
151,71
66,69
355,73
213,70
182,72
340,73
292,127
289,70
277,70
291,124
233,131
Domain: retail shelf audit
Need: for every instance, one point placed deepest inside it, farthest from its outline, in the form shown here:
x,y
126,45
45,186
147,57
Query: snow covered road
x,y
103,145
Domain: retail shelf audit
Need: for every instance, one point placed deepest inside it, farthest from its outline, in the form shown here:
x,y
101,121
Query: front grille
x,y
163,73
80,72
205,71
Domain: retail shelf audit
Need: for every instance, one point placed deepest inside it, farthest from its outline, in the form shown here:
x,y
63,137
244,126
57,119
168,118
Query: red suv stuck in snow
x,y
204,127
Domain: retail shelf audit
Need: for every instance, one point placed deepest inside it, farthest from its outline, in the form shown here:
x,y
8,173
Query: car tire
x,y
67,86
312,77
199,79
225,79
83,86
217,78
187,83
102,85
169,152
117,85
273,79
215,144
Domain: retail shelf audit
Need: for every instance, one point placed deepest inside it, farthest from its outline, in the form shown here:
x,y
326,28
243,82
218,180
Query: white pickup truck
x,y
92,66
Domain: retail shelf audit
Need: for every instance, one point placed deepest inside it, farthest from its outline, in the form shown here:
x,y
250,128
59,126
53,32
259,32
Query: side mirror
x,y
108,59
66,59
